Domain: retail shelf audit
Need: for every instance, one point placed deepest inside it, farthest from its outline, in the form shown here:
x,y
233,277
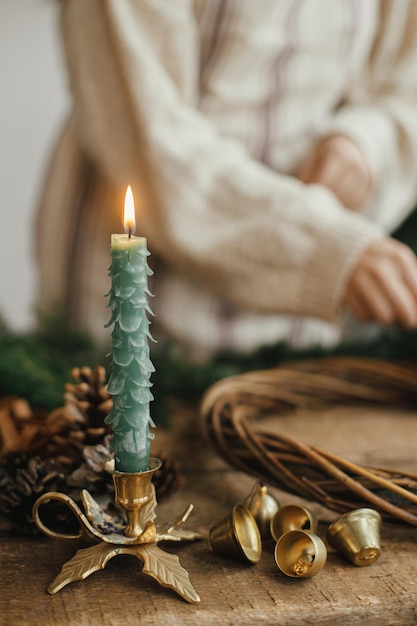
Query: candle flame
x,y
129,213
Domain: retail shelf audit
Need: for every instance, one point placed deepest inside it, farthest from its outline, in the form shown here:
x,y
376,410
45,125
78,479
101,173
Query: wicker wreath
x,y
230,408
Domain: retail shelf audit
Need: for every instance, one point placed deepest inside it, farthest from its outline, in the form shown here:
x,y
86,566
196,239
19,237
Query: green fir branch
x,y
36,365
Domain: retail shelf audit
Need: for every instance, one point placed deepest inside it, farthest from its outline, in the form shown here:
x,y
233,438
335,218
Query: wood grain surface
x,y
232,592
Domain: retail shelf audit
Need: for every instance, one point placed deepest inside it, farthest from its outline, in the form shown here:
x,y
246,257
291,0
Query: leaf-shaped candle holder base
x,y
135,494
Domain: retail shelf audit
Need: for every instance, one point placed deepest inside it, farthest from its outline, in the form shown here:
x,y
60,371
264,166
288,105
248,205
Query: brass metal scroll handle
x,y
69,502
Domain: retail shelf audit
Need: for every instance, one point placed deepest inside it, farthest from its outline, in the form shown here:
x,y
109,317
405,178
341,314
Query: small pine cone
x,y
167,478
23,480
80,422
91,474
90,397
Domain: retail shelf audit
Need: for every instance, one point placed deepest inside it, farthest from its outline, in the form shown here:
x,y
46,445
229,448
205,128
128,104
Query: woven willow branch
x,y
231,407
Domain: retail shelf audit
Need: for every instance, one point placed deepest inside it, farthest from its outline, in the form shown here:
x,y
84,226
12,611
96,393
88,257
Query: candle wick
x,y
130,232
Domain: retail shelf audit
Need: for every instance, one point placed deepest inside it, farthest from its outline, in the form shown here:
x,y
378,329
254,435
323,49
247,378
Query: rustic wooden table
x,y
232,592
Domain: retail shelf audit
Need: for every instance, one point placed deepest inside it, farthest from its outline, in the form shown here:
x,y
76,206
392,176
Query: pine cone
x,y
80,422
22,480
65,451
90,397
91,474
167,478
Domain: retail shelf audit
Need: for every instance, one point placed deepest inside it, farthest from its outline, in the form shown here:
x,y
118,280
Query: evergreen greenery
x,y
36,365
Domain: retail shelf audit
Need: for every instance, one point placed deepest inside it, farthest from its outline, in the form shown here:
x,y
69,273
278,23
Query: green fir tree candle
x,y
131,367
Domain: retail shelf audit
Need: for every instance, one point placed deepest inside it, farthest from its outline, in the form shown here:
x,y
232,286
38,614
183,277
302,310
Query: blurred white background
x,y
33,103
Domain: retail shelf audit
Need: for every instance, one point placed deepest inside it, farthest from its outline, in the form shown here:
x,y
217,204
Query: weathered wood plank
x,y
231,592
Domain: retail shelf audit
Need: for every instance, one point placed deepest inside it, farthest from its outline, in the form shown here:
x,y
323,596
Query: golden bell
x,y
237,536
263,507
300,553
356,536
292,517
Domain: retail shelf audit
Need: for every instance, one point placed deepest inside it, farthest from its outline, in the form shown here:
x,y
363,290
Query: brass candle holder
x,y
135,494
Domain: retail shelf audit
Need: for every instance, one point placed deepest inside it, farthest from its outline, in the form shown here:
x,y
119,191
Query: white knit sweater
x,y
207,108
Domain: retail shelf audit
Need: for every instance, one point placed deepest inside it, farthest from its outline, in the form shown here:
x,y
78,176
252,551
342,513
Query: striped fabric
x,y
208,108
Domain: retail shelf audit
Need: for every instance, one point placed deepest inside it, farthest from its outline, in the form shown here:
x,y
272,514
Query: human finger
x,y
373,298
407,262
358,308
397,291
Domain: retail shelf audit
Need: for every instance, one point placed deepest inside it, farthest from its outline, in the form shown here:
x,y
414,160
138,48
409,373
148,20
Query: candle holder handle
x,y
135,494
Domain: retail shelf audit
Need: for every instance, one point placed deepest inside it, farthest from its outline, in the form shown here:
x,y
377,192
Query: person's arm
x,y
338,163
368,159
368,152
264,240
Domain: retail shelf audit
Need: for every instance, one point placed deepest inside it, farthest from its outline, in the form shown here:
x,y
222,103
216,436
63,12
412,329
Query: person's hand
x,y
383,285
338,163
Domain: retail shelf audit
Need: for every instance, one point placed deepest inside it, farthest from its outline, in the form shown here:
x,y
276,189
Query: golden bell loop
x,y
292,517
356,535
263,507
300,554
237,536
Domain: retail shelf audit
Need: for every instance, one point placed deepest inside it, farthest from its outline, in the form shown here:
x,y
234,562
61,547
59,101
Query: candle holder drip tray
x,y
139,537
